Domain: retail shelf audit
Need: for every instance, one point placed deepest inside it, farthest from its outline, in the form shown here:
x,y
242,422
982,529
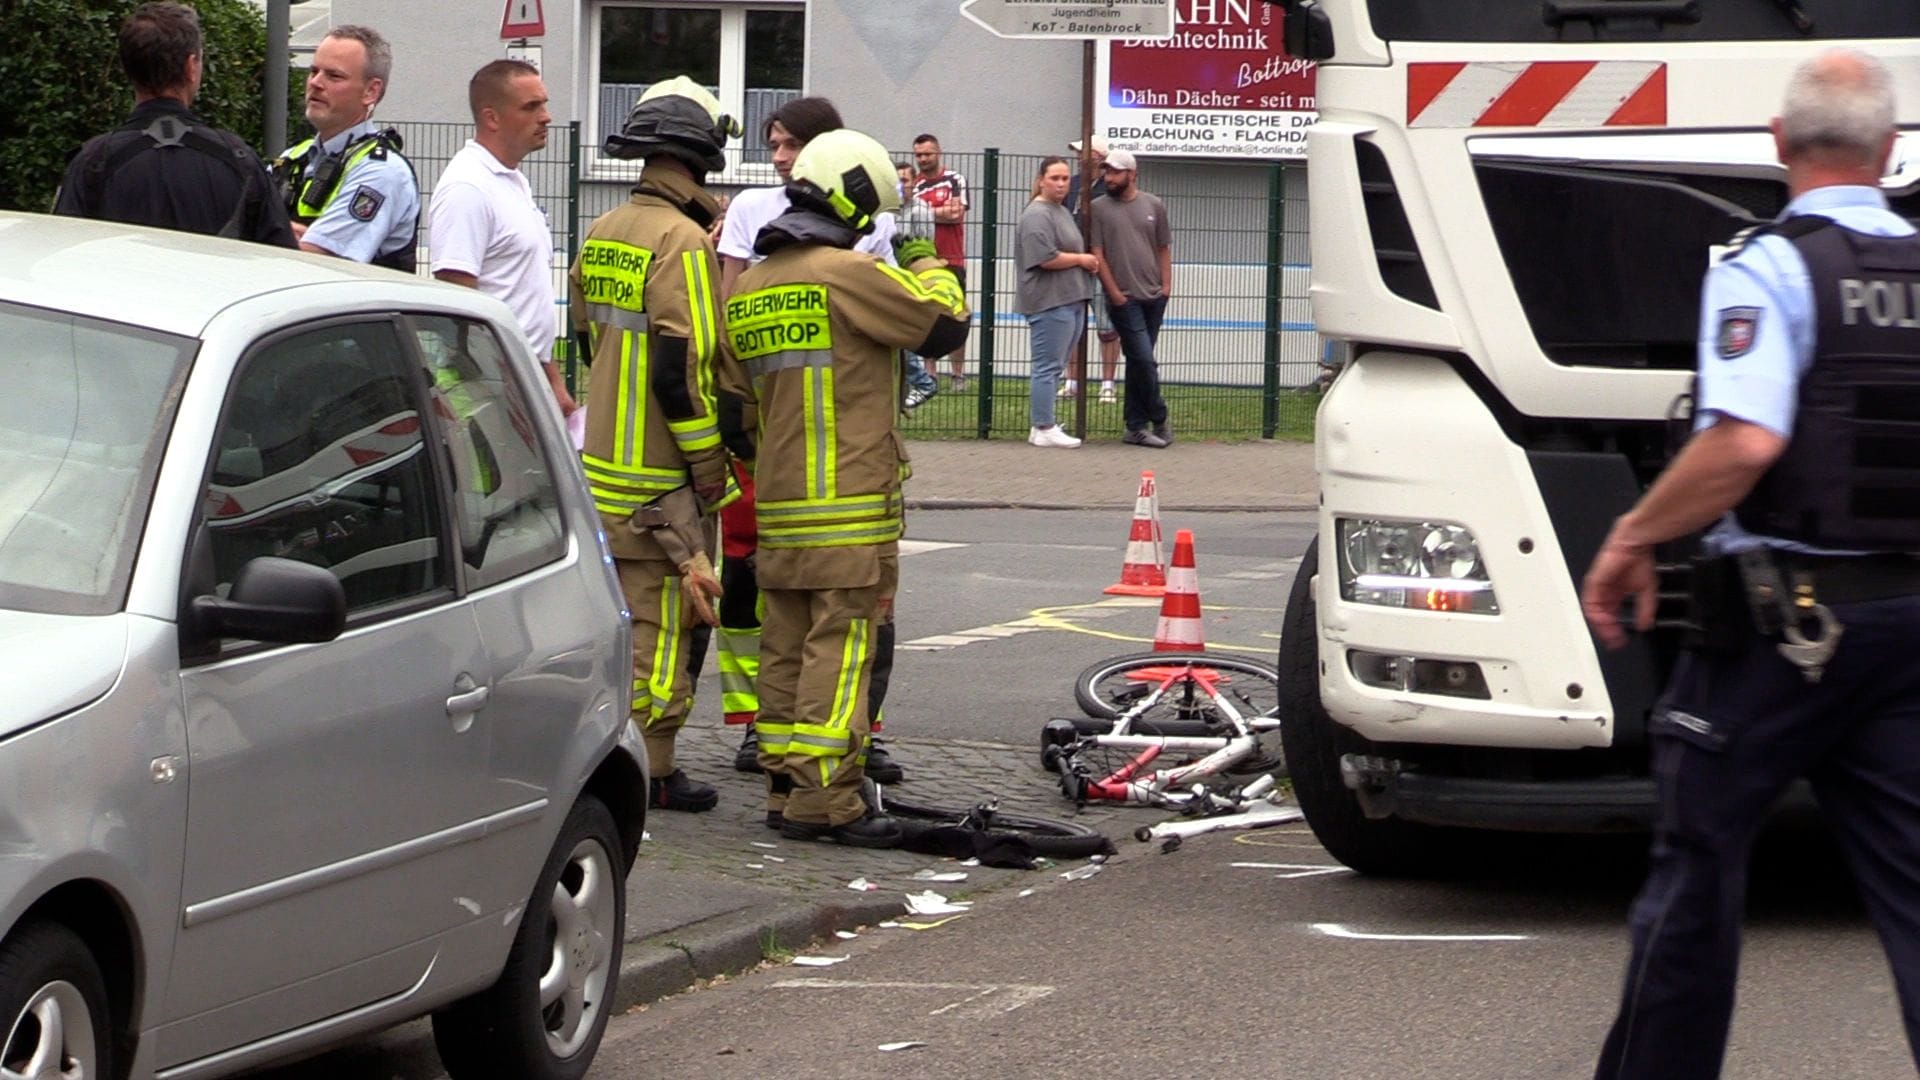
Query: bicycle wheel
x,y
1108,689
1050,837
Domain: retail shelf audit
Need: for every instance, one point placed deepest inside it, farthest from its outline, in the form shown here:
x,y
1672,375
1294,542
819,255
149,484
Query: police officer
x,y
350,192
817,327
1809,365
644,291
166,167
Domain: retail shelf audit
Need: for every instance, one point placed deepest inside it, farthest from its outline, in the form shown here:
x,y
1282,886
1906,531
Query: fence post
x,y
989,262
1276,274
573,243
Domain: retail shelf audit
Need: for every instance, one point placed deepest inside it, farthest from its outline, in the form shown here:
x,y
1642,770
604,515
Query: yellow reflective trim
x,y
877,535
614,275
809,391
666,649
785,318
853,658
829,436
937,284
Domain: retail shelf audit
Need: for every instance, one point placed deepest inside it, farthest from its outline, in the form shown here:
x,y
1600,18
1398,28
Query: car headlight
x,y
1426,566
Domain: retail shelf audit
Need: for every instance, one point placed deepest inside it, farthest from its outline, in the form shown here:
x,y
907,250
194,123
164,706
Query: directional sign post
x,y
523,19
1066,19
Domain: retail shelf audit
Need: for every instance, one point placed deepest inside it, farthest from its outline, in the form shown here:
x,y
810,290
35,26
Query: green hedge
x,y
64,83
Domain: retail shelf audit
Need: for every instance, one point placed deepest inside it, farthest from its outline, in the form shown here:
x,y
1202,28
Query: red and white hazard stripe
x,y
1556,94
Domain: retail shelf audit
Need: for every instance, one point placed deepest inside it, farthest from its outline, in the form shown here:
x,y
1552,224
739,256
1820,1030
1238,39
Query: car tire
x,y
53,1005
1314,743
543,1018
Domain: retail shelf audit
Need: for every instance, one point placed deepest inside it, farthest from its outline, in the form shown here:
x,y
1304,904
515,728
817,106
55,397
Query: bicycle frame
x,y
1135,782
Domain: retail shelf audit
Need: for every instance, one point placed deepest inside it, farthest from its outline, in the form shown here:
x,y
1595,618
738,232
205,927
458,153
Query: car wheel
x,y
53,1002
544,1017
1314,742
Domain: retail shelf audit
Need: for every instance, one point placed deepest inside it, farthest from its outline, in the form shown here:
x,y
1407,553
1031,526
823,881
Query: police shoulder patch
x,y
365,204
1739,329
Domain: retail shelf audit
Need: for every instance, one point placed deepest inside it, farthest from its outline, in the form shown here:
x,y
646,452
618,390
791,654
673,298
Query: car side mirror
x,y
1306,31
275,600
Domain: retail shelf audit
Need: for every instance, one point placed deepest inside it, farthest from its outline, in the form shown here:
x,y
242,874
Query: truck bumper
x,y
1387,788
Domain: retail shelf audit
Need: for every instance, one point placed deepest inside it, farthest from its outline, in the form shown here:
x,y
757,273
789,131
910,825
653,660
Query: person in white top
x,y
484,229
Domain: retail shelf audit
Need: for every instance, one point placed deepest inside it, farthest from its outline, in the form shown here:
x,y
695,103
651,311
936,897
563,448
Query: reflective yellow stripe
x,y
784,318
814,740
630,433
853,656
666,650
937,284
613,283
772,737
739,667
786,360
829,422
700,432
845,506
852,537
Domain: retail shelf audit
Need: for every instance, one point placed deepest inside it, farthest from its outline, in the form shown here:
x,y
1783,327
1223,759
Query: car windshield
x,y
86,408
1532,21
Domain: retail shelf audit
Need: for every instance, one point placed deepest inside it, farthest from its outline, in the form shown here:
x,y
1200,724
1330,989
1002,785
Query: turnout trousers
x,y
1729,736
817,654
662,638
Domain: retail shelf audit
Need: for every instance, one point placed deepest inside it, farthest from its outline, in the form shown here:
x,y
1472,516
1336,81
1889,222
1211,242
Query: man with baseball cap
x,y
1134,244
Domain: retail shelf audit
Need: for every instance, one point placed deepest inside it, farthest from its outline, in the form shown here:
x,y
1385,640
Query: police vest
x,y
308,197
1850,476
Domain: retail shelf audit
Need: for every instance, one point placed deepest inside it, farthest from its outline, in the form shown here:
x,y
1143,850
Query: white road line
x,y
1298,870
922,547
1334,929
983,999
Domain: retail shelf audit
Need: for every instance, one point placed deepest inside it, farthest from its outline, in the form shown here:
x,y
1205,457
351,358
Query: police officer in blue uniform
x,y
348,189
1805,460
166,167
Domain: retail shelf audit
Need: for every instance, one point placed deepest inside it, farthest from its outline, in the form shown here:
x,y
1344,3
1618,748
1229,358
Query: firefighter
x,y
643,292
816,327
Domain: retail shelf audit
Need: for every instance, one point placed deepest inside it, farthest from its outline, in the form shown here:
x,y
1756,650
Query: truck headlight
x,y
1426,566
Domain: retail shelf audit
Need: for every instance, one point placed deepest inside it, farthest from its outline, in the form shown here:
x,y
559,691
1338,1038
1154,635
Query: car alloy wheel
x,y
583,922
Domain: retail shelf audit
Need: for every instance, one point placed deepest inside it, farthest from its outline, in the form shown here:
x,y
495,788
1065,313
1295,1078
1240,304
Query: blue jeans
x,y
1052,335
1138,324
917,376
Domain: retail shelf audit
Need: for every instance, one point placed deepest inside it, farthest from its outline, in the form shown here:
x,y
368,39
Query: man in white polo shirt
x,y
484,229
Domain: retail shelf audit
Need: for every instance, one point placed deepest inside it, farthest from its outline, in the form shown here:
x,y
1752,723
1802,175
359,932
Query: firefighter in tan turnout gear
x,y
816,327
643,293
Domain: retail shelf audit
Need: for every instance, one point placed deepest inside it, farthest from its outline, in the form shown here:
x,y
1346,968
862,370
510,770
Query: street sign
x,y
523,18
1067,19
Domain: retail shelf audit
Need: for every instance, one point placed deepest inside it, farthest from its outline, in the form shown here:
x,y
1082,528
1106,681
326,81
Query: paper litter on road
x,y
820,961
645,836
1026,892
764,844
888,925
1084,872
931,874
934,925
891,1047
861,884
970,862
774,858
845,935
932,903
756,866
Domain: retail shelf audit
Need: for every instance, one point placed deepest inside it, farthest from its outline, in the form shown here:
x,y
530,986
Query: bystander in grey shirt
x,y
1047,230
1131,233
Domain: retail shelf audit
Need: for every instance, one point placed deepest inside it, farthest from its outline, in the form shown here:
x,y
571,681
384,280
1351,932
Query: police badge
x,y
1739,328
366,203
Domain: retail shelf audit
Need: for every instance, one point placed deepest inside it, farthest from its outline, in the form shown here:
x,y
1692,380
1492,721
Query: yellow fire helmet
x,y
849,173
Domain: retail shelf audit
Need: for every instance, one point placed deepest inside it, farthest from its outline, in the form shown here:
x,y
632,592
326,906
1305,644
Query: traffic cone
x,y
1179,629
1143,573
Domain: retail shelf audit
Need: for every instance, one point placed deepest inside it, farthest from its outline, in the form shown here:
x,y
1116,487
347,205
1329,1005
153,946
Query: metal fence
x,y
1238,355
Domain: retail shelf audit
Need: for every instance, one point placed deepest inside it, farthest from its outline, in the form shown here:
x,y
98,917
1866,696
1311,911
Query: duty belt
x,y
1790,594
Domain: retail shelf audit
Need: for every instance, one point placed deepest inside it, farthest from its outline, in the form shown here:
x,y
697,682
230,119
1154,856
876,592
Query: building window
x,y
751,55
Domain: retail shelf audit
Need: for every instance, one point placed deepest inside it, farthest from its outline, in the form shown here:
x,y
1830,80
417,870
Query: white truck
x,y
1513,205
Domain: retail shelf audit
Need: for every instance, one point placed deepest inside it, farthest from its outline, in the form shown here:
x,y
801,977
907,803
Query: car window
x,y
505,503
320,458
86,409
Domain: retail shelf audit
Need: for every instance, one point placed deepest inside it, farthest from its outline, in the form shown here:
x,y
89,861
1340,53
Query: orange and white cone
x,y
1143,573
1180,629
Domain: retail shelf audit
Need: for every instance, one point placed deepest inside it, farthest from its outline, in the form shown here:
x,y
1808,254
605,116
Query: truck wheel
x,y
544,1017
1314,743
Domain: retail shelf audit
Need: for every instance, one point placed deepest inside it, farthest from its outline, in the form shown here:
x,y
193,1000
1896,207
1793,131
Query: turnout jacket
x,y
643,292
816,328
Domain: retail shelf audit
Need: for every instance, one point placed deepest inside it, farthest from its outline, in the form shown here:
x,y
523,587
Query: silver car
x,y
313,711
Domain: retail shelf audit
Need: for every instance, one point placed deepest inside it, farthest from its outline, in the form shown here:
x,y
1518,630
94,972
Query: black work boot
x,y
747,758
881,768
777,784
870,830
675,792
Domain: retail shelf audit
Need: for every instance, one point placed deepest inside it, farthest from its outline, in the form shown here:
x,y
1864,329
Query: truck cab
x,y
1513,207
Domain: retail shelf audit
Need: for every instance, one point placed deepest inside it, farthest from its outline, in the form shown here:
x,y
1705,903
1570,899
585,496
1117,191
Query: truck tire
x,y
1314,742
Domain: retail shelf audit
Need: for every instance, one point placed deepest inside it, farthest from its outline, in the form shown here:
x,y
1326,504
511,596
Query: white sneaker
x,y
1051,437
1106,393
1067,387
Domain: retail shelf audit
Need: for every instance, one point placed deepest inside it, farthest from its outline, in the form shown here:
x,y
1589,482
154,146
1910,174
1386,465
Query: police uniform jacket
x,y
371,214
816,328
167,168
643,291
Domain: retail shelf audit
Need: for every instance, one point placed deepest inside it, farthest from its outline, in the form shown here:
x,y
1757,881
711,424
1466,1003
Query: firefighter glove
x,y
702,587
908,250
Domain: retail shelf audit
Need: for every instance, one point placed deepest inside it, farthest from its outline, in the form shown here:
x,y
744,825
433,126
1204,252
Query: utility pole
x,y
274,125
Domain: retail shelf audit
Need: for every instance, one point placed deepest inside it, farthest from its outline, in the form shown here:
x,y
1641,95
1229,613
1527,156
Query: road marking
x,y
922,547
983,999
1065,617
1299,870
1334,929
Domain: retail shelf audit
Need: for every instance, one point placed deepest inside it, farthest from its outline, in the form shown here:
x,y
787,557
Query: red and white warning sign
x,y
1556,94
524,18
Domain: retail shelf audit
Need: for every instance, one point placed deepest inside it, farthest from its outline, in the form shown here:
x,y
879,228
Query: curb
x,y
1181,508
727,944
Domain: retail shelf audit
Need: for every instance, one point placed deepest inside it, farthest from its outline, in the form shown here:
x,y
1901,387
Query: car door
x,y
336,789
546,632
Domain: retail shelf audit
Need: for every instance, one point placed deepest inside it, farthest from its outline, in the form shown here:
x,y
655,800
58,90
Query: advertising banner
x,y
1221,86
